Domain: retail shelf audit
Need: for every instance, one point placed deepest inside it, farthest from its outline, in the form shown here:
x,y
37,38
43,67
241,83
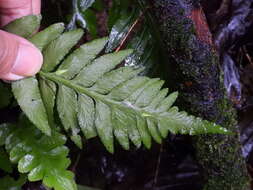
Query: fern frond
x,y
31,23
42,157
97,98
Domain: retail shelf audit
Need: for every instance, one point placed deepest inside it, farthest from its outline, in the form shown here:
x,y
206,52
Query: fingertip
x,y
36,7
28,62
19,58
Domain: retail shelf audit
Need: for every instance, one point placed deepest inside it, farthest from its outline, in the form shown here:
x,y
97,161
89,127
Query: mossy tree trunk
x,y
195,73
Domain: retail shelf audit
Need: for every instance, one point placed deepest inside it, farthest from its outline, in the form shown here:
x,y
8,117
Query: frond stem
x,y
129,107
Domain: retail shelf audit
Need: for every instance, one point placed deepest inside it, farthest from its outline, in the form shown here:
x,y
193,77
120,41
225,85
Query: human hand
x,y
18,57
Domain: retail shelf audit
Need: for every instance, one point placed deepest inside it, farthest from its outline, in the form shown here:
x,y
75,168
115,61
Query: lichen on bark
x,y
199,79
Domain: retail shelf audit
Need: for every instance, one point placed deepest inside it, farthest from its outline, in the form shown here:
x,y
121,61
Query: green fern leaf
x,y
67,108
81,57
98,98
31,102
86,117
42,157
48,94
31,24
58,48
42,39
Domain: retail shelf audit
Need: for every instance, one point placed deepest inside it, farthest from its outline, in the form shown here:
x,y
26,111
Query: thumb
x,y
18,57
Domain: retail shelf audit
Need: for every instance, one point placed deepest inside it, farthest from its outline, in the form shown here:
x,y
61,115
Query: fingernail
x,y
28,62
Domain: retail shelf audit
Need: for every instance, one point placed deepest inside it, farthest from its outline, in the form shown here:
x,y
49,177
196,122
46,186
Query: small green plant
x,y
42,157
86,94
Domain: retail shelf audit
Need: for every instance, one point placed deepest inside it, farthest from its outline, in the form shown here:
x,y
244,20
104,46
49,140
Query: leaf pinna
x,y
95,96
43,157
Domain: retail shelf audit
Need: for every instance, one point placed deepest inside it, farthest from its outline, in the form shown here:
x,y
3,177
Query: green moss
x,y
221,155
197,75
223,164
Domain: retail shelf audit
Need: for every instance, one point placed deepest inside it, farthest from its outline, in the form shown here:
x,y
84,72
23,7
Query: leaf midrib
x,y
103,98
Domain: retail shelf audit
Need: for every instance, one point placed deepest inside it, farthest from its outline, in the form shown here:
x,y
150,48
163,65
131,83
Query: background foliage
x,y
91,93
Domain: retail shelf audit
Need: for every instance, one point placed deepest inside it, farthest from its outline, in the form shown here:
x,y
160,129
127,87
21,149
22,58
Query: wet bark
x,y
196,74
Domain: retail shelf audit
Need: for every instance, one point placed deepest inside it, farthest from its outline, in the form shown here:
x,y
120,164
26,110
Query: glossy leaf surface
x,y
42,157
